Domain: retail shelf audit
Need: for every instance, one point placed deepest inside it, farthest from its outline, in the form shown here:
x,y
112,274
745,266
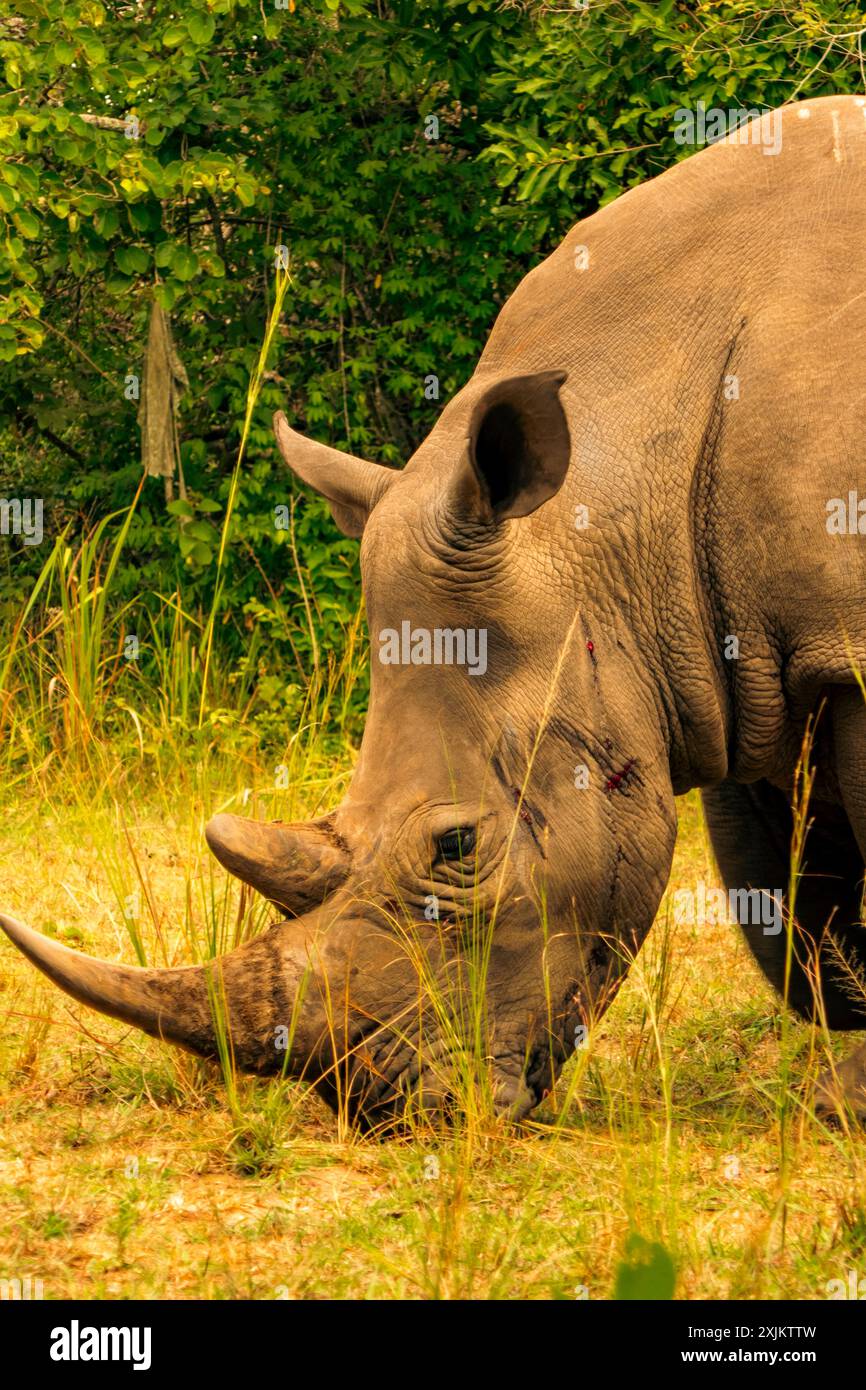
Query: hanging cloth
x,y
163,383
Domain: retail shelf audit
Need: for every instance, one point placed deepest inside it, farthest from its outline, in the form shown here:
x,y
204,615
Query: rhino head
x,y
480,892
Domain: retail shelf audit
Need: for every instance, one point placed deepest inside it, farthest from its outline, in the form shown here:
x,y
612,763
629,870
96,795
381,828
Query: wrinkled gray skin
x,y
607,388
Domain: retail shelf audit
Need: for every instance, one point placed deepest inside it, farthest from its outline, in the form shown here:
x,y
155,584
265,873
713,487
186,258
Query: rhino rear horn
x,y
294,866
352,485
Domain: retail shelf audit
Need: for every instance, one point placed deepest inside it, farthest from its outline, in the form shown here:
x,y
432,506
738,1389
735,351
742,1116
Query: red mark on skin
x,y
617,779
590,647
524,814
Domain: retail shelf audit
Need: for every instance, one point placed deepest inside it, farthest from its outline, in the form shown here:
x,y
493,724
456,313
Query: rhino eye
x,y
456,844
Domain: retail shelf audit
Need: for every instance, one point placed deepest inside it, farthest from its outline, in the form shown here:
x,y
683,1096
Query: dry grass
x,y
120,1175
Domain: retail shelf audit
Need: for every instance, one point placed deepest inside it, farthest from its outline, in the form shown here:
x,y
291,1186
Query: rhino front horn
x,y
254,984
294,866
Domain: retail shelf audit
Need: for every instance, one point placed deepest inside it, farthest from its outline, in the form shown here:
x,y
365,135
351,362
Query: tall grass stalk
x,y
283,280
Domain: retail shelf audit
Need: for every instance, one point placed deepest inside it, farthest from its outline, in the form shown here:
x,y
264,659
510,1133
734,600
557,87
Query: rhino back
x,y
713,325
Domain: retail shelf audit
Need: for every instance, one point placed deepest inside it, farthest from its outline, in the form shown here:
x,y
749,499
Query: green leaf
x,y
144,217
27,179
184,263
646,1271
132,260
166,295
201,554
117,284
527,183
106,222
27,223
203,531
94,48
201,27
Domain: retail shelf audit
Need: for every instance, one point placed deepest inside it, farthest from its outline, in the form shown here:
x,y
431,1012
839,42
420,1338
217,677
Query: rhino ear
x,y
353,486
519,445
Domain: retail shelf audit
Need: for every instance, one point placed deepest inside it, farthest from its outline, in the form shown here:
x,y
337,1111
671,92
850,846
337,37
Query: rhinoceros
x,y
629,560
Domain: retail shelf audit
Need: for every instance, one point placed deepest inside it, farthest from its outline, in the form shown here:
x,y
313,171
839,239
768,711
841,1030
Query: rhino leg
x,y
842,1090
750,829
848,716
